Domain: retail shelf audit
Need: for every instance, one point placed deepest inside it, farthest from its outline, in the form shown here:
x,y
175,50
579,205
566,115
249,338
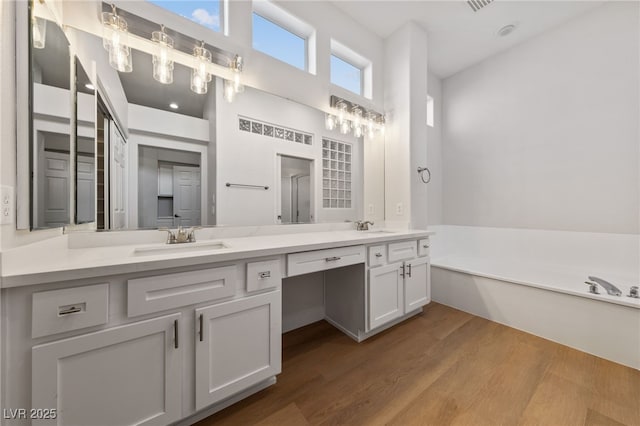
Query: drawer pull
x,y
175,334
378,254
68,310
402,271
425,246
201,319
331,259
409,272
263,275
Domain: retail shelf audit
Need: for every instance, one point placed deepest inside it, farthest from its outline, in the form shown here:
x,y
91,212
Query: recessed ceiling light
x,y
506,30
173,105
89,86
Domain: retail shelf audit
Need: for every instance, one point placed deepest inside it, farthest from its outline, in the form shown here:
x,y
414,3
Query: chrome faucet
x,y
611,289
363,226
181,235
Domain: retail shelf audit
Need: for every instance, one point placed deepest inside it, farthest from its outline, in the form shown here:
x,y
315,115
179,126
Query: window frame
x,y
293,25
356,60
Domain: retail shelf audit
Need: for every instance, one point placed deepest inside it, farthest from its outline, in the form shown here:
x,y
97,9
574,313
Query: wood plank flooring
x,y
443,367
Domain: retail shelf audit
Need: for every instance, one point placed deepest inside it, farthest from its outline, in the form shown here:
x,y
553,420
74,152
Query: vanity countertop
x,y
53,260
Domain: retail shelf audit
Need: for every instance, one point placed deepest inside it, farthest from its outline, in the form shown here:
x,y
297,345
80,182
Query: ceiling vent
x,y
476,5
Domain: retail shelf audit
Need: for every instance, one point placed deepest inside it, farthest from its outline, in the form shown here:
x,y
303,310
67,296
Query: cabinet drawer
x,y
377,255
402,251
57,311
320,260
159,293
263,275
423,247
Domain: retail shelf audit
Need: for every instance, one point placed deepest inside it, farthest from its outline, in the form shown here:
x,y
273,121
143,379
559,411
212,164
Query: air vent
x,y
476,5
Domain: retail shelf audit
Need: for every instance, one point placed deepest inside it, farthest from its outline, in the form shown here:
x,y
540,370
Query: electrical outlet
x,y
6,205
399,209
372,209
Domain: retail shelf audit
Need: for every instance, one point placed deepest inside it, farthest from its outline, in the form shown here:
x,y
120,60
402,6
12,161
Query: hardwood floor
x,y
439,368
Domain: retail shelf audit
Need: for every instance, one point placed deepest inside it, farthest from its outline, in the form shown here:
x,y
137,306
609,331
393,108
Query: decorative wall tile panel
x,y
336,174
250,125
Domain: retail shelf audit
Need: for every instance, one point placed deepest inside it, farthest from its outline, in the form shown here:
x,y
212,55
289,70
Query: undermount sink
x,y
180,248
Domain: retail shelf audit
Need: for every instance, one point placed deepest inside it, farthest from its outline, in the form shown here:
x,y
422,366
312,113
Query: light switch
x,y
399,209
7,205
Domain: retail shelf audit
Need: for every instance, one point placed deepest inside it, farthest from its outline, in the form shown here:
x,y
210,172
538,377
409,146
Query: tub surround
x,y
533,280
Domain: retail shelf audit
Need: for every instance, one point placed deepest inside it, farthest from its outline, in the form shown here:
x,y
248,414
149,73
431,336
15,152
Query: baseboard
x,y
206,412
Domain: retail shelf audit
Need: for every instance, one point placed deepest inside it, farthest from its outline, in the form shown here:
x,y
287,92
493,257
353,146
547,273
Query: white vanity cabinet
x,y
386,299
123,375
238,345
396,284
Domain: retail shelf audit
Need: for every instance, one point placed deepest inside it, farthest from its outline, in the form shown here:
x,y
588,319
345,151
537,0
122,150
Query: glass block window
x,y
336,174
251,125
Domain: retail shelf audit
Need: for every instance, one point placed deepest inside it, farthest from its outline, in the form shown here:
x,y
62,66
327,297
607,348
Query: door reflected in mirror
x,y
295,190
85,147
168,188
50,123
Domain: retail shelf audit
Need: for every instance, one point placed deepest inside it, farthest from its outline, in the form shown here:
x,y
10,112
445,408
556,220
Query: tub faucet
x,y
611,289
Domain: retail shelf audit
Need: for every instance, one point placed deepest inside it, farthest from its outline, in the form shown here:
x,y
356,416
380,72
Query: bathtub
x,y
533,280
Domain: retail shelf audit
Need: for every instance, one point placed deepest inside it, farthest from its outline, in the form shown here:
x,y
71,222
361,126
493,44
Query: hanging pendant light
x,y
371,127
237,65
162,65
38,32
199,75
114,40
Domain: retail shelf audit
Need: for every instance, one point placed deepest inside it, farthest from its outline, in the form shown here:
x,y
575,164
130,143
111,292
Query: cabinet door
x,y
417,284
385,294
239,344
127,375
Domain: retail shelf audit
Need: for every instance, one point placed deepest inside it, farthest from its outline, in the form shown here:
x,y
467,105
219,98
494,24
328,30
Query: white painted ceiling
x,y
459,37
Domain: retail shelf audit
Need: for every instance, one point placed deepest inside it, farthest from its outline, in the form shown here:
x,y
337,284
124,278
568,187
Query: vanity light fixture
x,y
352,117
38,32
199,75
173,105
114,40
162,65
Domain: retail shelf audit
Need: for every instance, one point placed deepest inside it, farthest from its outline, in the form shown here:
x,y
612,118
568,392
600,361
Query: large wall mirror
x,y
124,151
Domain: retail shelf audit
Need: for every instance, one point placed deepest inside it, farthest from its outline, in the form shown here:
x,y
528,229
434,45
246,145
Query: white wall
x,y
406,129
249,158
545,135
434,153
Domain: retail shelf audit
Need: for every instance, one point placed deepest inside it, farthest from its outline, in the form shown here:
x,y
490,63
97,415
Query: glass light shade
x,y
38,32
114,30
114,39
229,91
162,65
199,75
330,121
345,127
120,58
357,131
371,127
199,85
342,112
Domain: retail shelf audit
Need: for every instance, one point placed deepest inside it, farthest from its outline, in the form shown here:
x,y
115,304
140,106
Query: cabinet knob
x,y
425,246
378,254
